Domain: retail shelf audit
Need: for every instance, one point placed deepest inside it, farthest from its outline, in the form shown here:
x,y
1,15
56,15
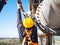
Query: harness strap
x,y
28,33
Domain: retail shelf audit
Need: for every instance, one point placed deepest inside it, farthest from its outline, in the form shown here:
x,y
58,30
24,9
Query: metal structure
x,y
49,31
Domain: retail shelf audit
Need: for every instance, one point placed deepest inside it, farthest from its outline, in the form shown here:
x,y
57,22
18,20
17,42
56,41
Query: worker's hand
x,y
19,4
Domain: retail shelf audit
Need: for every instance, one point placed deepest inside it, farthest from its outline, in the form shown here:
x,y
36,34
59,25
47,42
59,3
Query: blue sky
x,y
8,18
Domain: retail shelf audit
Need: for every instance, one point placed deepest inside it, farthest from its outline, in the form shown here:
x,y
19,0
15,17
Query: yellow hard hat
x,y
28,22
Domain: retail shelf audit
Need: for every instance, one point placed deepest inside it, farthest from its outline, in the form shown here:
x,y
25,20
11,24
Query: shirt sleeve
x,y
19,18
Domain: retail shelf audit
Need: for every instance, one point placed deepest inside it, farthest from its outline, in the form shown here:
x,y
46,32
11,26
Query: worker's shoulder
x,y
34,28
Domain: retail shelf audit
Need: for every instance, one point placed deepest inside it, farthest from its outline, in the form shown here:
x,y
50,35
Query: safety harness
x,y
27,37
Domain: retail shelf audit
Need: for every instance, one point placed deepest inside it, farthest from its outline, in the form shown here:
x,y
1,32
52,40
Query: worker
x,y
26,29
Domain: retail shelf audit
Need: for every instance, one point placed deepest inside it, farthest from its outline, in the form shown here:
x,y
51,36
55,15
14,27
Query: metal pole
x,y
49,39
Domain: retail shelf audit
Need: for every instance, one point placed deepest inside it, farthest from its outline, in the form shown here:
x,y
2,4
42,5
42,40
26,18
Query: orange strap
x,y
31,43
41,34
35,43
27,35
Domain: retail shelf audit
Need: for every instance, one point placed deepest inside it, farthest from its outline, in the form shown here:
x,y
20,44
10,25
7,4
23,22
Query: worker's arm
x,y
21,7
20,23
19,17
